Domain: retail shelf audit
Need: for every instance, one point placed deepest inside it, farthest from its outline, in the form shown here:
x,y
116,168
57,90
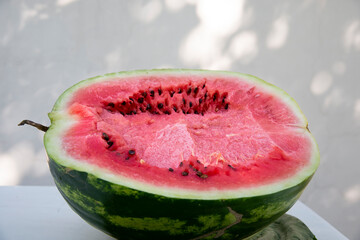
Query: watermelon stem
x,y
34,124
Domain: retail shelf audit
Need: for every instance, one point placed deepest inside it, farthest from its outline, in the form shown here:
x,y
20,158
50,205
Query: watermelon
x,y
179,154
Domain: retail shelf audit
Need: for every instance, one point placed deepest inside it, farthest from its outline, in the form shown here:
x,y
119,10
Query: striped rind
x,y
127,213
61,121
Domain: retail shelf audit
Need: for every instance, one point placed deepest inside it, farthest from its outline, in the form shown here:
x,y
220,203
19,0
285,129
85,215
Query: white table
x,y
41,213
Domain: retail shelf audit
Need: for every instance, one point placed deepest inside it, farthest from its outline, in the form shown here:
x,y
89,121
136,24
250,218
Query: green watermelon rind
x,y
61,120
127,213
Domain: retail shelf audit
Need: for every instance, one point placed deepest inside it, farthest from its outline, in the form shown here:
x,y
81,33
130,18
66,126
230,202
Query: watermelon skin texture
x,y
126,213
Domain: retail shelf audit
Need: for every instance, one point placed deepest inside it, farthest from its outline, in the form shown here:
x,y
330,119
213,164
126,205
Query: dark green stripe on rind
x,y
130,214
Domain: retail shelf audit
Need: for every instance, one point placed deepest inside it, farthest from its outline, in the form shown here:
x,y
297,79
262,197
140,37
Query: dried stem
x,y
34,124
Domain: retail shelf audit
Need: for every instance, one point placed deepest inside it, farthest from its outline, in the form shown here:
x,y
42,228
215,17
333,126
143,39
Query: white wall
x,y
310,48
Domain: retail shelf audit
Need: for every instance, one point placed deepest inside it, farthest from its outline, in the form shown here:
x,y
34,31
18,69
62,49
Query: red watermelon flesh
x,y
188,132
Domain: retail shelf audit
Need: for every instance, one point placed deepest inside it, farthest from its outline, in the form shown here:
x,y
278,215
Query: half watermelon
x,y
179,154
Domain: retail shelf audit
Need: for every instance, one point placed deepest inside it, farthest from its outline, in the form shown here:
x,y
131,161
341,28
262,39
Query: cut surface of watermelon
x,y
183,133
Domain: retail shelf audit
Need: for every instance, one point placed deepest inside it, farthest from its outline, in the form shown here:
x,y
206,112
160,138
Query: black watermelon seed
x,y
111,104
131,152
196,90
175,108
188,91
181,164
171,170
159,91
184,102
230,166
223,101
183,111
205,96
200,100
180,90
148,107
110,143
198,161
198,173
196,112
167,112
160,105
172,93
105,136
134,112
214,97
184,173
123,103
141,100
203,86
190,104
131,99
122,113
152,93
204,176
127,158
226,106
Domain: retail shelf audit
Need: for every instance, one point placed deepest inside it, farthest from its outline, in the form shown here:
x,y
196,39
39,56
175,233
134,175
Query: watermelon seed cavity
x,y
152,93
184,173
105,136
110,143
188,91
194,101
196,90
